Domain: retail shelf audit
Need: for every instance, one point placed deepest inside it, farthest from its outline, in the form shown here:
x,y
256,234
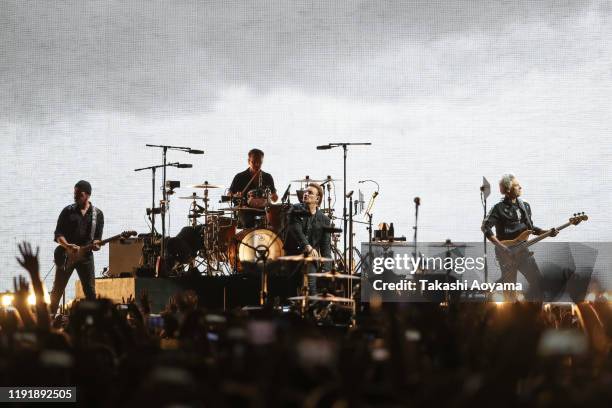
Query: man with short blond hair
x,y
510,217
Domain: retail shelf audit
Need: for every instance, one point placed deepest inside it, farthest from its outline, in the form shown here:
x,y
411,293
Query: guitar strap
x,y
521,205
94,221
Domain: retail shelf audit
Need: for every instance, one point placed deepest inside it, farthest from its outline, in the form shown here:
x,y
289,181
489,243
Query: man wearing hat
x,y
78,225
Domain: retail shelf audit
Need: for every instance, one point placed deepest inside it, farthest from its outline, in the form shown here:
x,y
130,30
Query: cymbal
x,y
206,185
449,244
331,275
322,298
302,258
242,209
192,197
307,180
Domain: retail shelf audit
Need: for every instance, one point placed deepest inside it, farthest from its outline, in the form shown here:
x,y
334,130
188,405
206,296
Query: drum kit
x,y
227,248
245,235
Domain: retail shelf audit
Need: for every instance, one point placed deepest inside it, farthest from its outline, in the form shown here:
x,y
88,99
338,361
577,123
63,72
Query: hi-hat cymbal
x,y
242,209
330,275
302,258
214,212
206,184
192,197
322,298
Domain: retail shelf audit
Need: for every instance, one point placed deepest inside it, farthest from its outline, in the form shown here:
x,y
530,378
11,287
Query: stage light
x,y
7,300
498,299
32,298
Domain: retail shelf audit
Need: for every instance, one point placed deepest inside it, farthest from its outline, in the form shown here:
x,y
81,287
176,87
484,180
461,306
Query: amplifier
x,y
125,256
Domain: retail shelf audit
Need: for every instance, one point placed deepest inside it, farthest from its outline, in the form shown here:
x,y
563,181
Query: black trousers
x,y
529,268
86,271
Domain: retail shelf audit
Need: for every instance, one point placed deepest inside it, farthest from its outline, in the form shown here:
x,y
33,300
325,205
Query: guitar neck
x,y
105,241
546,235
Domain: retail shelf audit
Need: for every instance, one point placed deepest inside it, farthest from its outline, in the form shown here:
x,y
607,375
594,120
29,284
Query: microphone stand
x,y
153,212
485,191
369,214
350,234
417,203
344,212
165,148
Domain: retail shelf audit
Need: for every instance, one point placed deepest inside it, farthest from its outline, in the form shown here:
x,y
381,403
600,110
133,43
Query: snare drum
x,y
242,249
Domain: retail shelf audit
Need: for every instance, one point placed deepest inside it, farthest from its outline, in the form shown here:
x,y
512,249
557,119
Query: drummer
x,y
251,187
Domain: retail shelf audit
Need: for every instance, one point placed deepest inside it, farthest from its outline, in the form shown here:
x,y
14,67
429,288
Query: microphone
x,y
286,195
417,201
195,151
324,147
375,194
349,194
184,166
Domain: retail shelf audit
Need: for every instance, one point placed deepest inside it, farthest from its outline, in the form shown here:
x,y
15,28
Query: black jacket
x,y
509,220
305,229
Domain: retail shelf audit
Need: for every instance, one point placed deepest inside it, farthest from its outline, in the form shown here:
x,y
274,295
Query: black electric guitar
x,y
518,247
66,259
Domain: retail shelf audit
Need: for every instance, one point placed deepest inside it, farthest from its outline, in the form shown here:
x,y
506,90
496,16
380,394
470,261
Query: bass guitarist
x,y
511,217
78,225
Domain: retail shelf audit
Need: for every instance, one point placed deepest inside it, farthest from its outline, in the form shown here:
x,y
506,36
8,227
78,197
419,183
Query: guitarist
x,y
511,217
78,225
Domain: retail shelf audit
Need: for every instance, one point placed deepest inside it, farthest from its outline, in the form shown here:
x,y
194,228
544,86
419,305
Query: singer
x,y
307,228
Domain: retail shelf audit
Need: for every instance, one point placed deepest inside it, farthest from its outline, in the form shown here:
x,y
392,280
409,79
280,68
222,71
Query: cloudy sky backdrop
x,y
447,92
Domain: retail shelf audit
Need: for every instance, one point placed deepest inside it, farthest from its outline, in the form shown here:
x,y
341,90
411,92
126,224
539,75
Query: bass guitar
x,y
518,247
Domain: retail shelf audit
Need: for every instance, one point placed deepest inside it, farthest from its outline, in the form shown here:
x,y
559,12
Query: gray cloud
x,y
172,57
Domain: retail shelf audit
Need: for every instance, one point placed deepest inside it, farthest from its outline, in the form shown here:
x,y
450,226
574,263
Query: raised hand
x,y
29,260
21,289
20,301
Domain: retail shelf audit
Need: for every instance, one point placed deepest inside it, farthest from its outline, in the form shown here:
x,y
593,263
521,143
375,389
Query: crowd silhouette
x,y
416,355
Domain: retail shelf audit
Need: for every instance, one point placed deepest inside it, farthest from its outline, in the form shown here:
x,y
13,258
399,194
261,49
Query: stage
x,y
214,292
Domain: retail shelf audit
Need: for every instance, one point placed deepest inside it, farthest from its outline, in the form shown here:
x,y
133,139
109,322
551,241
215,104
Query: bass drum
x,y
242,252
